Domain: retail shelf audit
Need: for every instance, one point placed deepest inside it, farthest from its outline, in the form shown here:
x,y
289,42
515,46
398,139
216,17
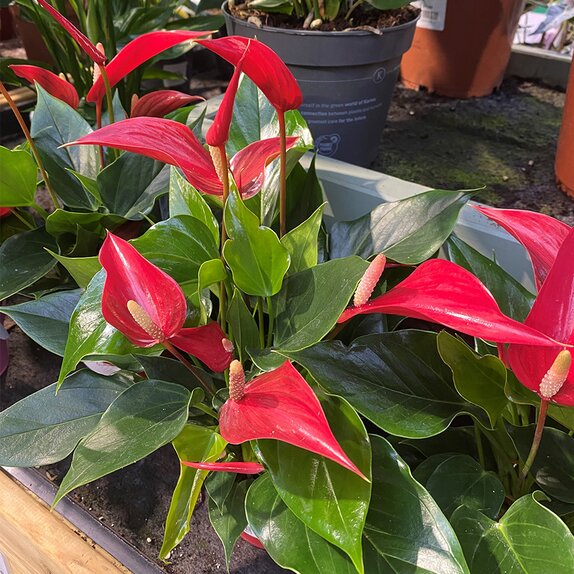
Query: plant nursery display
x,y
344,55
348,401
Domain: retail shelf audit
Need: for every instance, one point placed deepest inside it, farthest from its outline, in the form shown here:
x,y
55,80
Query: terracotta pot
x,y
467,52
565,153
34,45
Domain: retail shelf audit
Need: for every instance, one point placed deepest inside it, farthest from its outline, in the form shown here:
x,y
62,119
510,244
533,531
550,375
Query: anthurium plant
x,y
349,401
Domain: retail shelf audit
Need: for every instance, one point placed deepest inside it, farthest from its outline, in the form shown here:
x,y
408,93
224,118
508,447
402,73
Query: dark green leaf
x,y
60,222
230,521
130,185
54,123
302,243
408,231
82,269
513,299
397,380
405,531
310,302
254,254
194,443
529,539
553,467
219,485
17,178
304,194
171,371
480,380
329,499
143,418
460,480
24,260
46,320
45,427
287,540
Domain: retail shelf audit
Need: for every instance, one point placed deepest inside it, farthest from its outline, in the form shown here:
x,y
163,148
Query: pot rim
x,y
333,33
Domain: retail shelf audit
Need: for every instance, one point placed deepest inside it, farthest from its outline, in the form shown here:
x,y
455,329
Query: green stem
x,y
205,409
15,213
40,211
33,149
108,87
189,367
261,321
225,181
536,440
479,445
271,321
282,175
352,8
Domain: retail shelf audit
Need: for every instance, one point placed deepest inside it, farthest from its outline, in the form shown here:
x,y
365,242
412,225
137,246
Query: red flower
x,y
53,84
136,53
160,103
263,66
80,39
541,235
4,211
278,405
175,144
149,307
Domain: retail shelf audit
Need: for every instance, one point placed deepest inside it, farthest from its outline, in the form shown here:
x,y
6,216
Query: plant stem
x,y
352,8
109,98
189,367
282,175
271,321
15,213
479,445
225,181
205,409
33,149
261,321
536,440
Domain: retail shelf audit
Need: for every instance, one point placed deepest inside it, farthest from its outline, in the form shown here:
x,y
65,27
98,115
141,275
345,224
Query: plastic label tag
x,y
433,14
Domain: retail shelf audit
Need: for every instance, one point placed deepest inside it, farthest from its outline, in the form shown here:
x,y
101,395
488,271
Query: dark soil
x,y
363,17
504,143
133,501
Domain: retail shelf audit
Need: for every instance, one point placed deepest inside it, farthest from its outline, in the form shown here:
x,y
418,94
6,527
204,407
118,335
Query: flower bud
x,y
133,102
97,71
141,317
369,280
236,381
227,345
556,376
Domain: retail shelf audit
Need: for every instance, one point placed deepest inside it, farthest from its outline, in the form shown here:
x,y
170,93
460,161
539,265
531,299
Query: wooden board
x,y
34,540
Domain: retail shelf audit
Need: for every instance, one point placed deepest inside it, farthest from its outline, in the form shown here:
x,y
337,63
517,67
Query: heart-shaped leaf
x,y
338,513
528,538
397,380
17,178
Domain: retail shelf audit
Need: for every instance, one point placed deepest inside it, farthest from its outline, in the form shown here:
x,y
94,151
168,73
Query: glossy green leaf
x,y
528,539
194,443
130,185
512,298
230,521
302,243
310,302
287,540
304,194
211,274
397,380
24,260
243,326
184,199
54,123
218,486
143,418
45,427
46,320
327,498
17,178
480,380
82,269
91,336
408,231
179,246
406,532
254,254
60,222
460,480
553,467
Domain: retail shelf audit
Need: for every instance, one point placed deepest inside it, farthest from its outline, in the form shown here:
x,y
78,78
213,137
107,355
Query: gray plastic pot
x,y
347,80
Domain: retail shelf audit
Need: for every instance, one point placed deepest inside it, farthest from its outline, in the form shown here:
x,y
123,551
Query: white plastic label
x,y
433,14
